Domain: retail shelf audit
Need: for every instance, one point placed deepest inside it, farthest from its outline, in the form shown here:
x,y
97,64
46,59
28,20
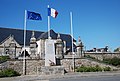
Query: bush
x,y
89,69
107,69
8,73
4,58
113,61
98,68
81,69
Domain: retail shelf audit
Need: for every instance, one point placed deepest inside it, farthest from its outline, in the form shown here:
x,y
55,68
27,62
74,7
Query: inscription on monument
x,y
49,53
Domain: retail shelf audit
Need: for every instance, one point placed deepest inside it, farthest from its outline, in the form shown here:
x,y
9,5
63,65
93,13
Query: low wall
x,y
101,56
33,67
68,64
17,65
37,67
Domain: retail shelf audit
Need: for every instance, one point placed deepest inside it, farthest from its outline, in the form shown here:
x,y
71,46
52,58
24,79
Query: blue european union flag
x,y
33,16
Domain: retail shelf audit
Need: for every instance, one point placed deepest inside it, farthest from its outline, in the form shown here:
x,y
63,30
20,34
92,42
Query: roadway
x,y
88,76
91,78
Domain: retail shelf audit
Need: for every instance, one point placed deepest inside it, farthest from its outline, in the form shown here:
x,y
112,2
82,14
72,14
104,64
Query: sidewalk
x,y
67,75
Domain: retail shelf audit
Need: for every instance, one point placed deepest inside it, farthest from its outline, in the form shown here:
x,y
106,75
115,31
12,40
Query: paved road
x,y
91,78
95,76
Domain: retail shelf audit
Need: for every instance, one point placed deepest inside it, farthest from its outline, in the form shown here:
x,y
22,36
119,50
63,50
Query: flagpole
x,y
48,25
24,64
71,25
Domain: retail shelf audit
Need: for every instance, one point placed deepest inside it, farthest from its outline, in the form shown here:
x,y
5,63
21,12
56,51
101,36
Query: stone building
x,y
11,47
11,43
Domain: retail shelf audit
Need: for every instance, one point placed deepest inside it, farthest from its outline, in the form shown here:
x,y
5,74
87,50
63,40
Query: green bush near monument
x,y
92,69
4,58
8,73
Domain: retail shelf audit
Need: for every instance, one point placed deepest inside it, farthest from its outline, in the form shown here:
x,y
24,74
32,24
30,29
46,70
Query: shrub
x,y
4,58
8,73
81,69
92,69
98,68
107,69
113,61
89,69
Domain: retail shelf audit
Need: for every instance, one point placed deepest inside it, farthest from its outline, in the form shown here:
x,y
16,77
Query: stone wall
x,y
68,64
17,65
37,67
33,67
51,70
100,56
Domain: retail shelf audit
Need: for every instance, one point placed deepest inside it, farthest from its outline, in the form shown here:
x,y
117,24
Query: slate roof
x,y
19,34
45,35
64,37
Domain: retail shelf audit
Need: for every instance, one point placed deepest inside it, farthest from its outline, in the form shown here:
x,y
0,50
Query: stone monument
x,y
50,59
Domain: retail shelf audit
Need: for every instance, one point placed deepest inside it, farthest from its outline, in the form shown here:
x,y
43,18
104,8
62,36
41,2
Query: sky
x,y
97,22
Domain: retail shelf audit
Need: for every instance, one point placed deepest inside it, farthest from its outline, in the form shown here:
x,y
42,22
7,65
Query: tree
x,y
117,50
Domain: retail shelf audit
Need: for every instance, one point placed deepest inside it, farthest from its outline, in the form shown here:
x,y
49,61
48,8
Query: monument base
x,y
51,70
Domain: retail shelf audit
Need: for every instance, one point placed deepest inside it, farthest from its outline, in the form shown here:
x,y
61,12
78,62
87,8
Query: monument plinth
x,y
50,52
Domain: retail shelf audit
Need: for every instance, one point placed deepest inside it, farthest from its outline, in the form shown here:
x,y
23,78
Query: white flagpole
x,y
48,26
24,73
71,25
71,29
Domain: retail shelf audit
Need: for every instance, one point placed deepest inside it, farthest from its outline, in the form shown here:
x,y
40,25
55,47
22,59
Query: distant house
x,y
12,41
105,49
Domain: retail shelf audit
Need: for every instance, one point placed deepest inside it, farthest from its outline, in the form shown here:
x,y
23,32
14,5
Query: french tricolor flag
x,y
52,12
